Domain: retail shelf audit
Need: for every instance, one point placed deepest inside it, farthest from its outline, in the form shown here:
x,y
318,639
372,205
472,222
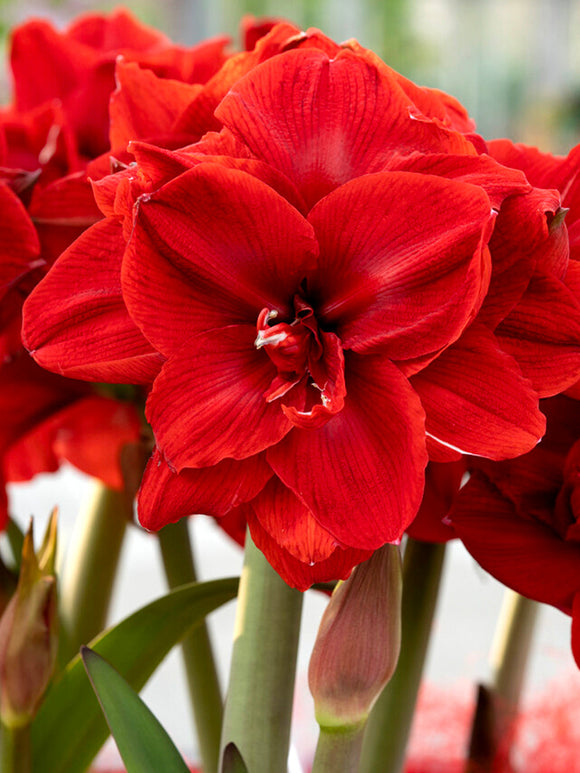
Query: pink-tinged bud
x,y
358,642
28,632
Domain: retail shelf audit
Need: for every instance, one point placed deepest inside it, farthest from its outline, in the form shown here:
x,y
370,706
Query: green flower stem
x,y
15,754
200,668
338,750
91,568
389,723
259,703
498,704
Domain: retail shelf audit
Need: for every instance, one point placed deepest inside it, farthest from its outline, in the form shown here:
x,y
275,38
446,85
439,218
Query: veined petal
x,y
529,557
166,496
75,321
291,525
362,473
543,334
477,401
299,574
208,404
324,121
19,246
145,105
402,261
213,248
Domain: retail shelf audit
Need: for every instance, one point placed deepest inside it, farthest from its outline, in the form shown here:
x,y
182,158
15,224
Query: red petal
x,y
324,121
401,262
19,246
496,180
361,474
145,105
543,334
75,321
299,574
213,248
477,401
165,496
442,483
291,524
523,554
208,402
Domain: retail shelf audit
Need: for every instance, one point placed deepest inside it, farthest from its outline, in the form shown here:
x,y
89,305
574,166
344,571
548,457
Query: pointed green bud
x,y
358,642
28,632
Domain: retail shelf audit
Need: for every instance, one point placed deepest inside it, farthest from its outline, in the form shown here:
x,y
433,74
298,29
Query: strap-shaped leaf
x,y
69,729
143,744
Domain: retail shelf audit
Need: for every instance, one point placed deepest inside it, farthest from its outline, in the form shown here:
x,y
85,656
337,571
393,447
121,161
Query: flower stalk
x,y
497,705
91,568
259,703
389,724
200,668
15,755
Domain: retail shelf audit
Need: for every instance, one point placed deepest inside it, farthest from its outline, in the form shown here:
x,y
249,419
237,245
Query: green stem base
x,y
15,756
200,669
259,703
338,751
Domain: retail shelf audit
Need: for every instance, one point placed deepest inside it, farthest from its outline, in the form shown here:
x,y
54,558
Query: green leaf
x,y
143,744
69,729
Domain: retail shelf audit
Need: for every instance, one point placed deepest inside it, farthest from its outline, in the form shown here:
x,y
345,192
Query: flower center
x,y
294,348
307,358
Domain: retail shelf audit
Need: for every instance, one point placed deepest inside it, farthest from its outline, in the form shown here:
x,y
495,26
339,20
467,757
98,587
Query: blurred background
x,y
515,64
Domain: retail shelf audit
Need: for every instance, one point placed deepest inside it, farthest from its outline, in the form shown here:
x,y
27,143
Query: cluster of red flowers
x,y
320,274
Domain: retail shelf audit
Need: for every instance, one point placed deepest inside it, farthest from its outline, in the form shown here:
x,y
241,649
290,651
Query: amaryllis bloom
x,y
520,518
284,284
77,66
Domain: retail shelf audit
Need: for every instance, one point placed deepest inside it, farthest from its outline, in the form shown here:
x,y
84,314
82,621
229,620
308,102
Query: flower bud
x,y
28,632
358,642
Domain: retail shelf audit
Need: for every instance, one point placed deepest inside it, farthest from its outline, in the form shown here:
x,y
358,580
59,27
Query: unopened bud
x,y
358,642
28,633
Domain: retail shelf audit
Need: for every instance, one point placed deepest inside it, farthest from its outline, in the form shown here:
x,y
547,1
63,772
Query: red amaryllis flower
x,y
520,518
46,419
293,285
77,67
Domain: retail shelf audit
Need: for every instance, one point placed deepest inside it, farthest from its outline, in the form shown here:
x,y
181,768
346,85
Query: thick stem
x,y
259,702
389,724
338,751
15,756
91,568
200,668
497,707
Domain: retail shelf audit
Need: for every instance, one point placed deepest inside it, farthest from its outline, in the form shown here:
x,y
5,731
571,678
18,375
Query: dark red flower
x,y
293,273
520,518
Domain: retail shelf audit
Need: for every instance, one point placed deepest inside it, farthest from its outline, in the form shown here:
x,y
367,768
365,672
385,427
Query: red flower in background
x,y
295,271
520,518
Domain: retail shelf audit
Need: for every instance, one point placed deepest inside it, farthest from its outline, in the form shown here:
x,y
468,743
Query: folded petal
x,y
291,525
402,261
213,248
75,321
208,404
145,105
166,496
477,401
299,574
19,246
523,554
543,334
324,121
576,629
362,473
